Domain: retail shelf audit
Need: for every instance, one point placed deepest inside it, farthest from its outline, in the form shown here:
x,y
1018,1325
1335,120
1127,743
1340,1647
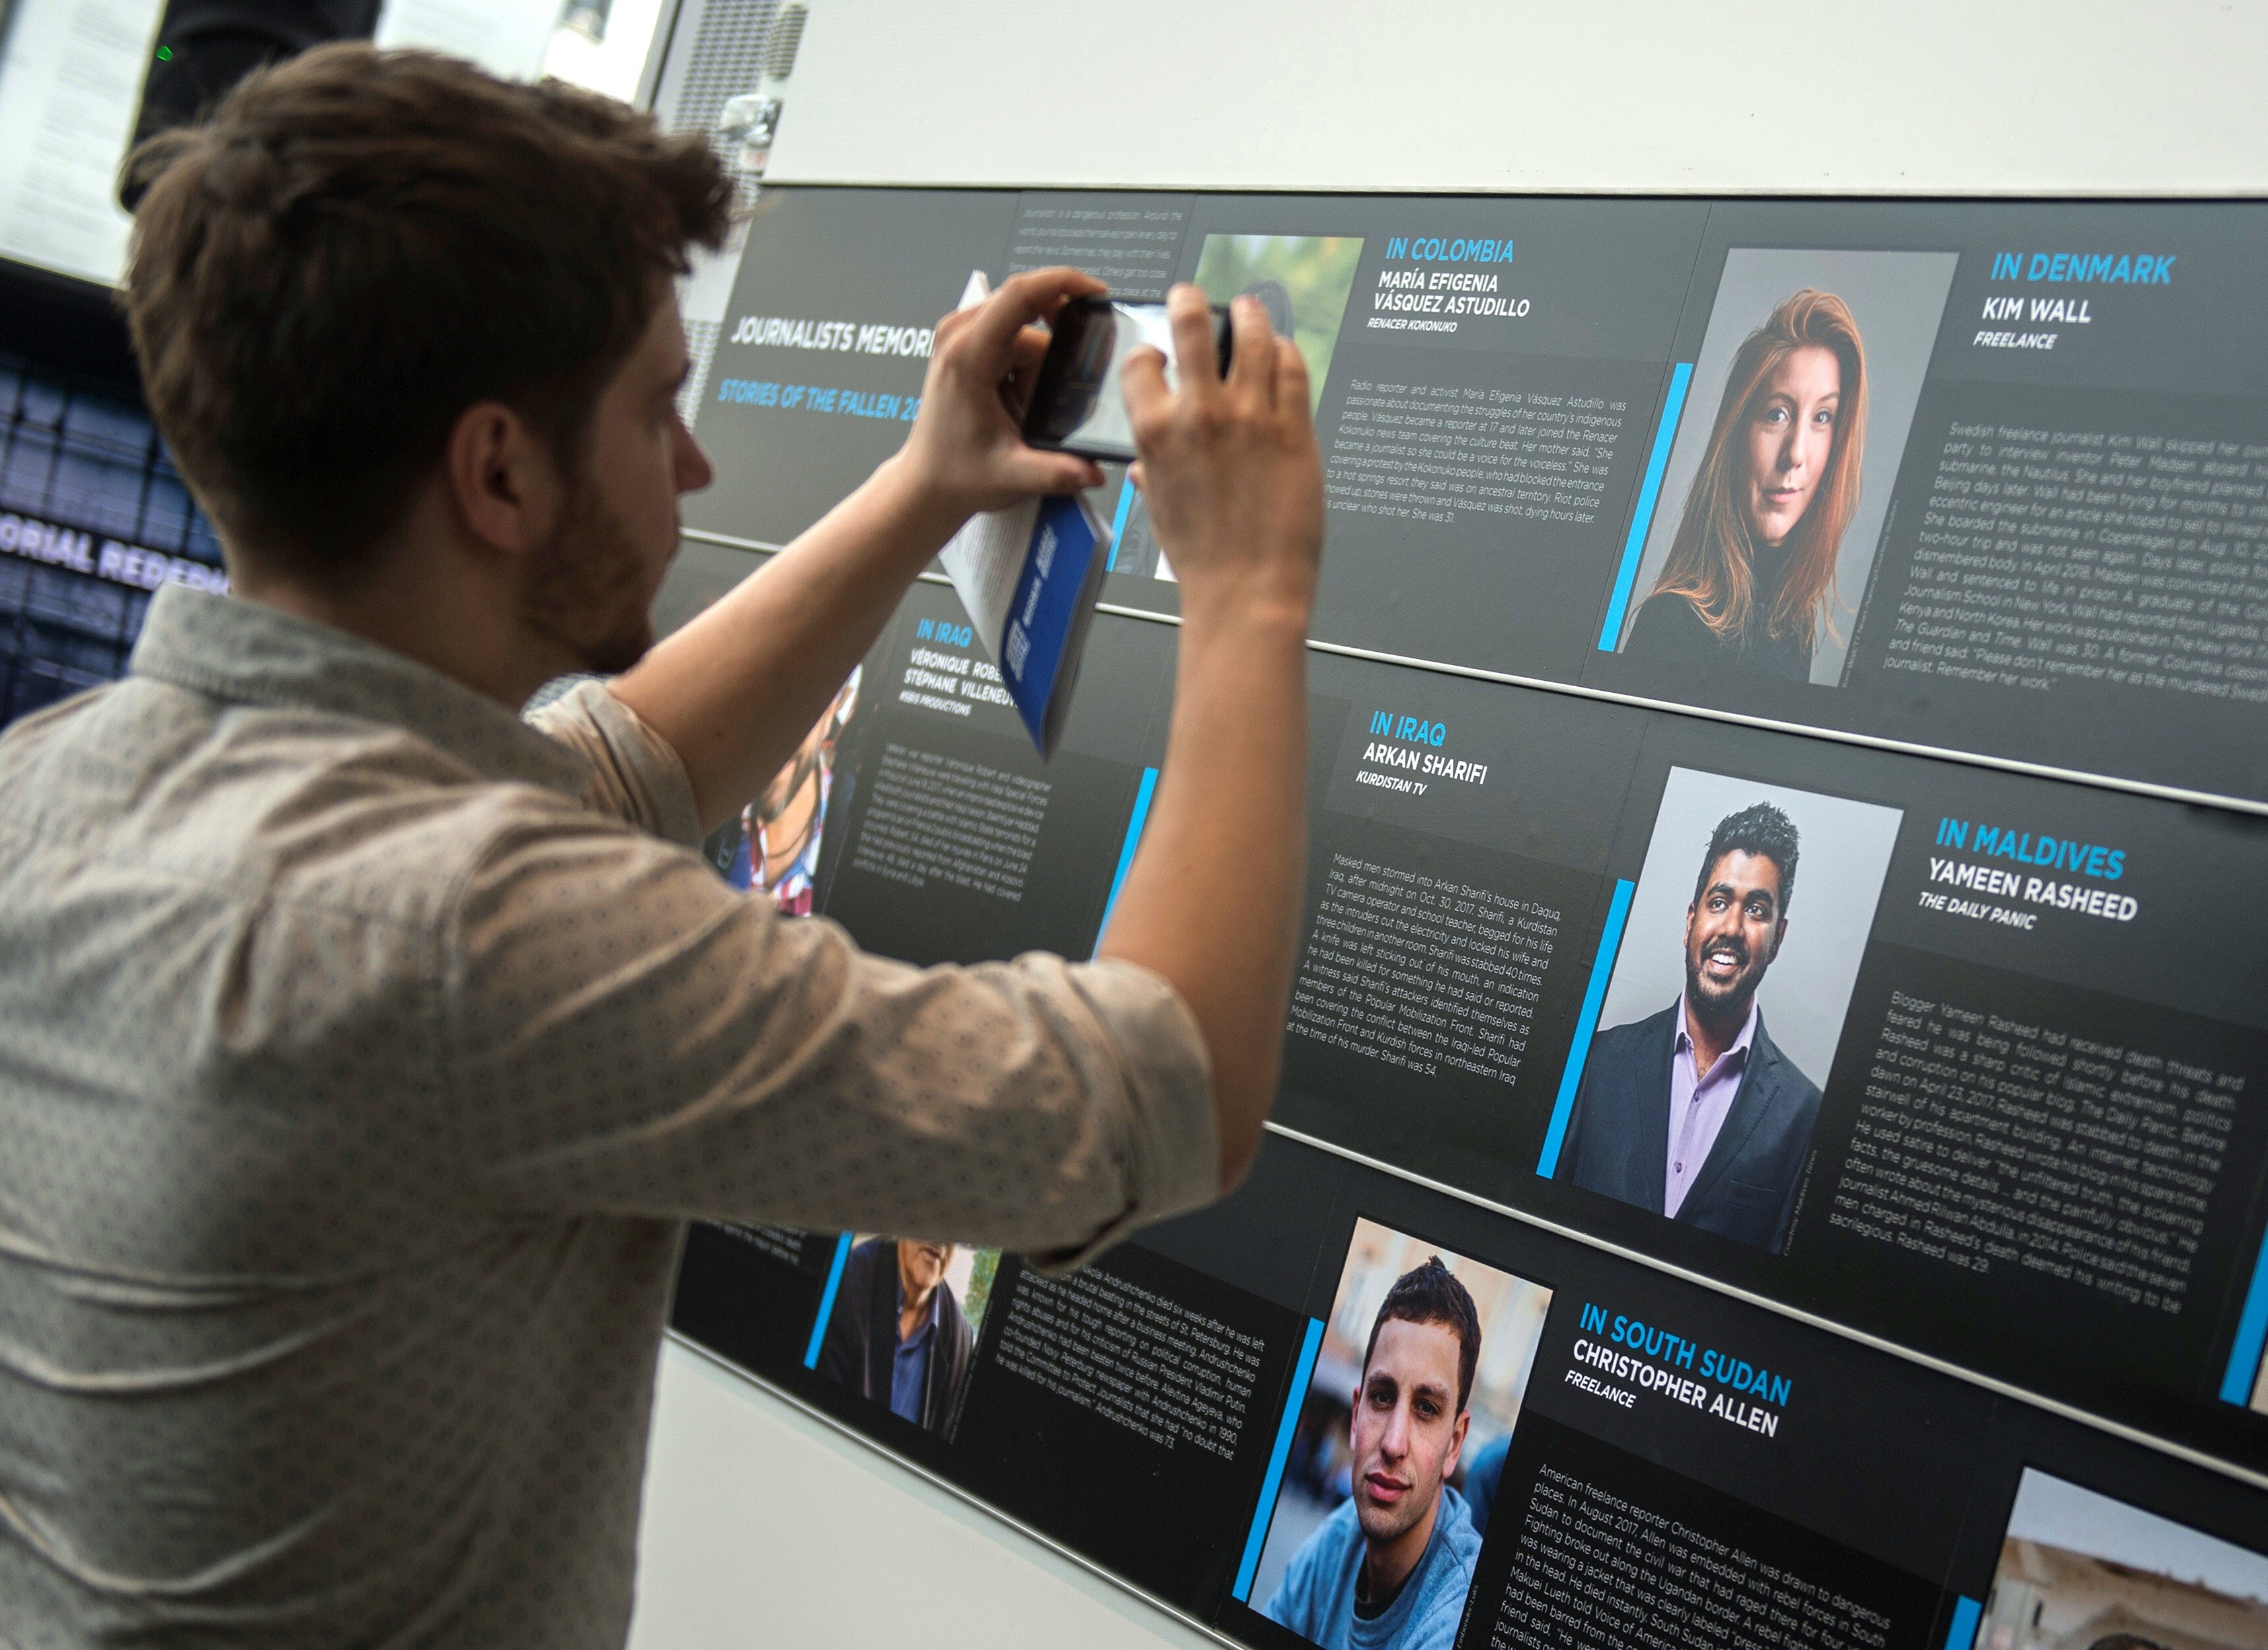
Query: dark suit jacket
x,y
861,1343
1618,1139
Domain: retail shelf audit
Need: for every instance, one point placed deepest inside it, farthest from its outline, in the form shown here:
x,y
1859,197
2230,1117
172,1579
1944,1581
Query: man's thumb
x,y
1032,471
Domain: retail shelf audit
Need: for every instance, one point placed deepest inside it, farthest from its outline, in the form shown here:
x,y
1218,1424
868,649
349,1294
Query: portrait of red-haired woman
x,y
1750,577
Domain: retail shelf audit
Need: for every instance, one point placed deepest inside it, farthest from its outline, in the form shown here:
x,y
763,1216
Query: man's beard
x,y
1729,1008
585,589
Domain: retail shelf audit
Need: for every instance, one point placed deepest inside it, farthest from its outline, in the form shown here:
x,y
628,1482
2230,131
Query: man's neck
x,y
1713,1039
454,613
1386,1565
914,1312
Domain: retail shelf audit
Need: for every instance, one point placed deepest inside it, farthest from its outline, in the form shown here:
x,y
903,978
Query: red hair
x,y
1712,559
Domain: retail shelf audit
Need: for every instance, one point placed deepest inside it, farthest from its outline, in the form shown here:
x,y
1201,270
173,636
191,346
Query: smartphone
x,y
1077,404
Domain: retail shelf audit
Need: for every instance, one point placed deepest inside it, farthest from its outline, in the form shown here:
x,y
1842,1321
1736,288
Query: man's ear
x,y
1456,1443
501,479
1780,933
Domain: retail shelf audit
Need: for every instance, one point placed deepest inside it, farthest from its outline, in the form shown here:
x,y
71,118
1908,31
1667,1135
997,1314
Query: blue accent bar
x,y
2251,1334
826,1300
1119,521
1966,1612
1301,1375
1649,493
1603,966
1126,853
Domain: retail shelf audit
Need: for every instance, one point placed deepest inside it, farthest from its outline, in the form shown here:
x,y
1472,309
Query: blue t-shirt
x,y
1316,1597
1483,1477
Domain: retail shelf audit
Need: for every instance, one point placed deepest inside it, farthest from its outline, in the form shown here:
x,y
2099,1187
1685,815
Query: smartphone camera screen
x,y
1079,404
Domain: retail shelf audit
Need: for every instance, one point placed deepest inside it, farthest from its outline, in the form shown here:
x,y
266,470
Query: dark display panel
x,y
1998,1115
1674,1467
1995,1114
2026,1153
1940,1317
1985,477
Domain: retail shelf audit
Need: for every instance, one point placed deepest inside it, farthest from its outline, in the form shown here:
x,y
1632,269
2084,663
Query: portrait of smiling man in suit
x,y
1694,1112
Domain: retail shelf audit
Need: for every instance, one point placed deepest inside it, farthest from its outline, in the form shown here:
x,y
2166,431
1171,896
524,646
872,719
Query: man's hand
x,y
965,452
1230,469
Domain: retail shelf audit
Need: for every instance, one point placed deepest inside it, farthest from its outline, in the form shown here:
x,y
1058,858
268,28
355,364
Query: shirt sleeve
x,y
635,774
627,1033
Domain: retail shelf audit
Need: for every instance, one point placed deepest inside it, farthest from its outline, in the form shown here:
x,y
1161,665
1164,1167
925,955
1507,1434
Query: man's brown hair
x,y
1430,1293
359,245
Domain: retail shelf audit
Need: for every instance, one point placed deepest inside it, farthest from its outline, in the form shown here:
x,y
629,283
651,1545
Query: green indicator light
x,y
164,54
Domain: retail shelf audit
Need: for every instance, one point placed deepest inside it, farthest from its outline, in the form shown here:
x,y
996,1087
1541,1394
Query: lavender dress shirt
x,y
1698,1104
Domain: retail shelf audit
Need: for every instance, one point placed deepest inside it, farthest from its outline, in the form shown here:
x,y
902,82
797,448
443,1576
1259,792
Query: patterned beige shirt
x,y
363,1050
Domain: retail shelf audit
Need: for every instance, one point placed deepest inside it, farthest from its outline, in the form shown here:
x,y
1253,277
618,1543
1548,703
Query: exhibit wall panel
x,y
2111,98
1966,1306
1958,1333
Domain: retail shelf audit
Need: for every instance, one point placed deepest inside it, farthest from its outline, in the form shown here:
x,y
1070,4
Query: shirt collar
x,y
1740,1045
929,1315
249,653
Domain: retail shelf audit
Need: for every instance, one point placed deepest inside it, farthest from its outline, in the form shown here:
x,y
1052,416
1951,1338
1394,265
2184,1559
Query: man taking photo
x,y
364,1049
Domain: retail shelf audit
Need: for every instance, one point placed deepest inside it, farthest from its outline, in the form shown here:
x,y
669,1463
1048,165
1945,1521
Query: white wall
x,y
765,1527
1928,97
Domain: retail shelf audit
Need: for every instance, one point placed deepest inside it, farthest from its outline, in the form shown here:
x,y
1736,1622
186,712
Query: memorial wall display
x,y
2033,530
1832,631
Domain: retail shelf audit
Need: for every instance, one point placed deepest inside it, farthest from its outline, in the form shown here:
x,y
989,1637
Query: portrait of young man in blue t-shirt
x,y
1390,1568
